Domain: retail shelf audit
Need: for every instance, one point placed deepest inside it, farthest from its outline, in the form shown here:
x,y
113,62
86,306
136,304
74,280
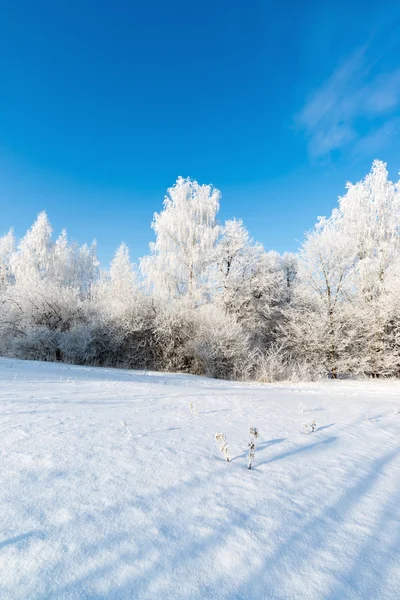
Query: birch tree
x,y
370,212
186,234
315,325
248,281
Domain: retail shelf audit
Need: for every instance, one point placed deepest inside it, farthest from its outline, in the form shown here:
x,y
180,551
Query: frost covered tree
x,y
72,265
122,277
233,262
345,310
248,281
87,267
370,212
7,243
315,327
122,324
186,234
62,261
45,296
34,250
117,289
289,265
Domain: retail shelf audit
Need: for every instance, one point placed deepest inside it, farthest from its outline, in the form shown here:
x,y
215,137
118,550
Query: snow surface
x,y
88,512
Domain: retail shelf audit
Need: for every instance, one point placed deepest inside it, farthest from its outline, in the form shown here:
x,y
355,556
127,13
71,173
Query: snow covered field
x,y
88,512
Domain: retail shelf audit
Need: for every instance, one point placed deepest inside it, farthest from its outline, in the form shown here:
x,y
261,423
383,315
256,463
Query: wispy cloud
x,y
377,139
355,108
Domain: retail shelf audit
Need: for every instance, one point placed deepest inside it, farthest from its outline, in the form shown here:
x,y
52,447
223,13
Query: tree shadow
x,y
149,433
180,550
36,533
361,572
304,542
299,449
325,427
371,419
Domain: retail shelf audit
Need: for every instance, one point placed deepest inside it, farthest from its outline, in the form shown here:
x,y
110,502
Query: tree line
x,y
210,300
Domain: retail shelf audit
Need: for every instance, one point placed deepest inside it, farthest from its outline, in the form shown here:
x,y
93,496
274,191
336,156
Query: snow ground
x,y
88,512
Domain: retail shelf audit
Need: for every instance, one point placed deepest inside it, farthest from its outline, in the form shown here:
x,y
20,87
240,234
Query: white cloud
x,y
378,138
353,107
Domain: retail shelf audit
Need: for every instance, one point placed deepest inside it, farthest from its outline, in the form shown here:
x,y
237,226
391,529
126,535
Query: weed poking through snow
x,y
125,424
309,428
193,408
252,446
221,439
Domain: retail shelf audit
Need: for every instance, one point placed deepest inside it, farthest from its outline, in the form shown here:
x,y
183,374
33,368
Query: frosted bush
x,y
272,365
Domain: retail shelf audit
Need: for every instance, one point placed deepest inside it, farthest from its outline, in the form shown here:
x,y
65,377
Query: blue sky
x,y
103,105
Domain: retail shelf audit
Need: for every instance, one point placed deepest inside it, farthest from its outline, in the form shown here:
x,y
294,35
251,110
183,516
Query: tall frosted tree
x,y
49,282
345,310
7,243
62,263
315,319
34,251
248,280
186,234
117,289
231,260
87,270
370,213
371,217
289,266
122,277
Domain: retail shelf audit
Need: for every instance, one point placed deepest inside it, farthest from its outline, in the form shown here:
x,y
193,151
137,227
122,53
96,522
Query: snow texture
x,y
89,511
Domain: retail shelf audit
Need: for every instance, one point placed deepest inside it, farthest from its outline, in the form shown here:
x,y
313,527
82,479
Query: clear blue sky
x,y
104,104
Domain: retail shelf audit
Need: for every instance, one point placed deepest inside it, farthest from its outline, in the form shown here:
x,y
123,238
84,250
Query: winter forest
x,y
210,300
